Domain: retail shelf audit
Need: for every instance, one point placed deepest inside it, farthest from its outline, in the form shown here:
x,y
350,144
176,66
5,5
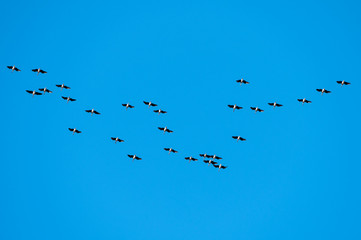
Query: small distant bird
x,y
238,138
159,111
13,68
343,82
45,90
215,157
256,109
134,157
240,81
204,156
62,86
304,101
191,159
150,104
165,129
169,150
322,90
127,106
34,92
219,166
68,99
92,111
74,130
210,161
38,71
275,104
234,107
117,139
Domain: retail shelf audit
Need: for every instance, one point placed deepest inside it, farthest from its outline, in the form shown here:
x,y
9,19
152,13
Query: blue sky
x,y
296,176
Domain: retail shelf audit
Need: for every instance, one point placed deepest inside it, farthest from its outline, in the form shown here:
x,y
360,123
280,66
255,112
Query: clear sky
x,y
296,177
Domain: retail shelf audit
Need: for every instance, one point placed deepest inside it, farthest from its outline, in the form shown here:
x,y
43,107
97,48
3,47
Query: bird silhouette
x,y
45,90
92,111
238,138
13,68
150,104
256,109
165,129
322,90
234,107
275,104
240,81
38,71
134,157
304,100
169,150
343,82
117,139
33,92
68,99
74,130
62,86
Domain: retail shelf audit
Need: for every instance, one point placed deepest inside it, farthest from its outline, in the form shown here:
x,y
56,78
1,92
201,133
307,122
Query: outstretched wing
x,y
96,112
153,105
167,130
72,99
346,83
231,106
138,158
66,87
300,100
31,92
253,108
279,105
319,90
77,131
34,70
307,101
326,91
37,93
167,149
238,107
162,129
71,129
42,71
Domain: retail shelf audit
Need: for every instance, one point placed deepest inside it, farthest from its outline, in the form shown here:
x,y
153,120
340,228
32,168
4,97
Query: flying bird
x,y
127,106
150,104
134,157
238,138
343,82
204,156
240,81
45,90
165,129
322,90
256,109
191,159
159,111
215,157
234,107
275,104
304,101
74,130
68,99
38,71
13,68
219,166
117,139
62,86
92,111
169,150
210,161
33,92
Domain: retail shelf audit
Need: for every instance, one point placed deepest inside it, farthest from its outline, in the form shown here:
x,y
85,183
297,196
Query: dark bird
x,y
127,106
13,68
68,99
343,82
134,157
62,86
215,157
74,130
33,92
210,161
256,109
234,107
159,111
150,104
303,101
117,139
205,155
322,90
45,90
38,71
165,129
191,159
219,166
238,138
169,150
240,81
92,111
275,104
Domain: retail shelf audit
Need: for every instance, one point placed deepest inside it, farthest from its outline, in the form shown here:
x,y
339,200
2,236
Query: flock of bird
x,y
208,159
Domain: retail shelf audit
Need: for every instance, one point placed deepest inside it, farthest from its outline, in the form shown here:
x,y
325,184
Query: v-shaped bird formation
x,y
208,159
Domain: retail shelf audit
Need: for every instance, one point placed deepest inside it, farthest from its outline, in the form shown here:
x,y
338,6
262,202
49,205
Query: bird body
x,y
343,82
304,100
38,71
69,99
13,68
240,81
74,130
322,90
33,92
92,111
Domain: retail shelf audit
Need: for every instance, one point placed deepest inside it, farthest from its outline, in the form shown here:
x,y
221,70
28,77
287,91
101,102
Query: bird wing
x,y
168,130
65,98
253,108
300,100
163,111
174,151
216,166
71,129
37,93
307,101
218,157
319,90
96,112
88,111
279,105
131,156
29,91
339,82
34,70
231,106
42,71
326,91
124,105
146,103
224,167
66,87
238,107
58,85
271,104
346,83
167,149
113,138
72,99
131,106
77,131
161,128
138,158
10,67
260,110
153,105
